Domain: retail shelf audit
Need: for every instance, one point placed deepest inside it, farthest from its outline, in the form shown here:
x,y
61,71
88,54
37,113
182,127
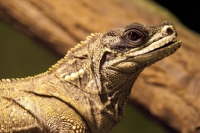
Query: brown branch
x,y
168,89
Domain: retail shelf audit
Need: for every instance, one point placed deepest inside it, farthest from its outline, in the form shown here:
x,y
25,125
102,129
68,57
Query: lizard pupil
x,y
133,36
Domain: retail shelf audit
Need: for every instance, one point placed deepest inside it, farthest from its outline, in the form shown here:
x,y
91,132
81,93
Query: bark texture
x,y
169,89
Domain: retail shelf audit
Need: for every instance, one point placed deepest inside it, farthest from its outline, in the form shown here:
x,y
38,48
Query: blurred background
x,y
21,57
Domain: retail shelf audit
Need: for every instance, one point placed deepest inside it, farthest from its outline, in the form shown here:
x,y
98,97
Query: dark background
x,y
188,11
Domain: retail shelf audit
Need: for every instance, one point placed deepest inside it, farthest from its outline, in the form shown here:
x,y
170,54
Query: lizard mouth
x,y
173,43
160,52
165,50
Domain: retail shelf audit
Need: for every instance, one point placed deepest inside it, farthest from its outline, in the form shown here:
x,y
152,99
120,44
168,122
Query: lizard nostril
x,y
169,31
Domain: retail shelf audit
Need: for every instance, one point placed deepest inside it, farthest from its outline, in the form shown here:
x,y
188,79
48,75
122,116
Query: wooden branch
x,y
169,89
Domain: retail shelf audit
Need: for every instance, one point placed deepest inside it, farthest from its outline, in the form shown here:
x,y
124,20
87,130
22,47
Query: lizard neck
x,y
74,81
115,93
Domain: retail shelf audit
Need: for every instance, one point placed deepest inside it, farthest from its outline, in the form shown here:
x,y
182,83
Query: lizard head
x,y
127,51
139,44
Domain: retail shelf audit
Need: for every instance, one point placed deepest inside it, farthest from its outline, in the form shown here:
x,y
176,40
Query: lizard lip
x,y
165,50
173,42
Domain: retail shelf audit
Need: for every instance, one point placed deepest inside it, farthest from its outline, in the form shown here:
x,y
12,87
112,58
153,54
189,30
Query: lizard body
x,y
86,91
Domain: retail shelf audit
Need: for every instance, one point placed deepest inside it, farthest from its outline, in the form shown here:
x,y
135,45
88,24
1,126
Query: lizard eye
x,y
134,36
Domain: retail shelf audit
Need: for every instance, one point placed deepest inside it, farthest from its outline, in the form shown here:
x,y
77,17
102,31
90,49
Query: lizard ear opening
x,y
107,56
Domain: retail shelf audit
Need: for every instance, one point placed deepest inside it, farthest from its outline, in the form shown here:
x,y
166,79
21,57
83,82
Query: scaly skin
x,y
87,90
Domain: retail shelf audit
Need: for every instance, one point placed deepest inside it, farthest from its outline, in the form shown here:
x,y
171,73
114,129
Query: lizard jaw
x,y
161,52
176,43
